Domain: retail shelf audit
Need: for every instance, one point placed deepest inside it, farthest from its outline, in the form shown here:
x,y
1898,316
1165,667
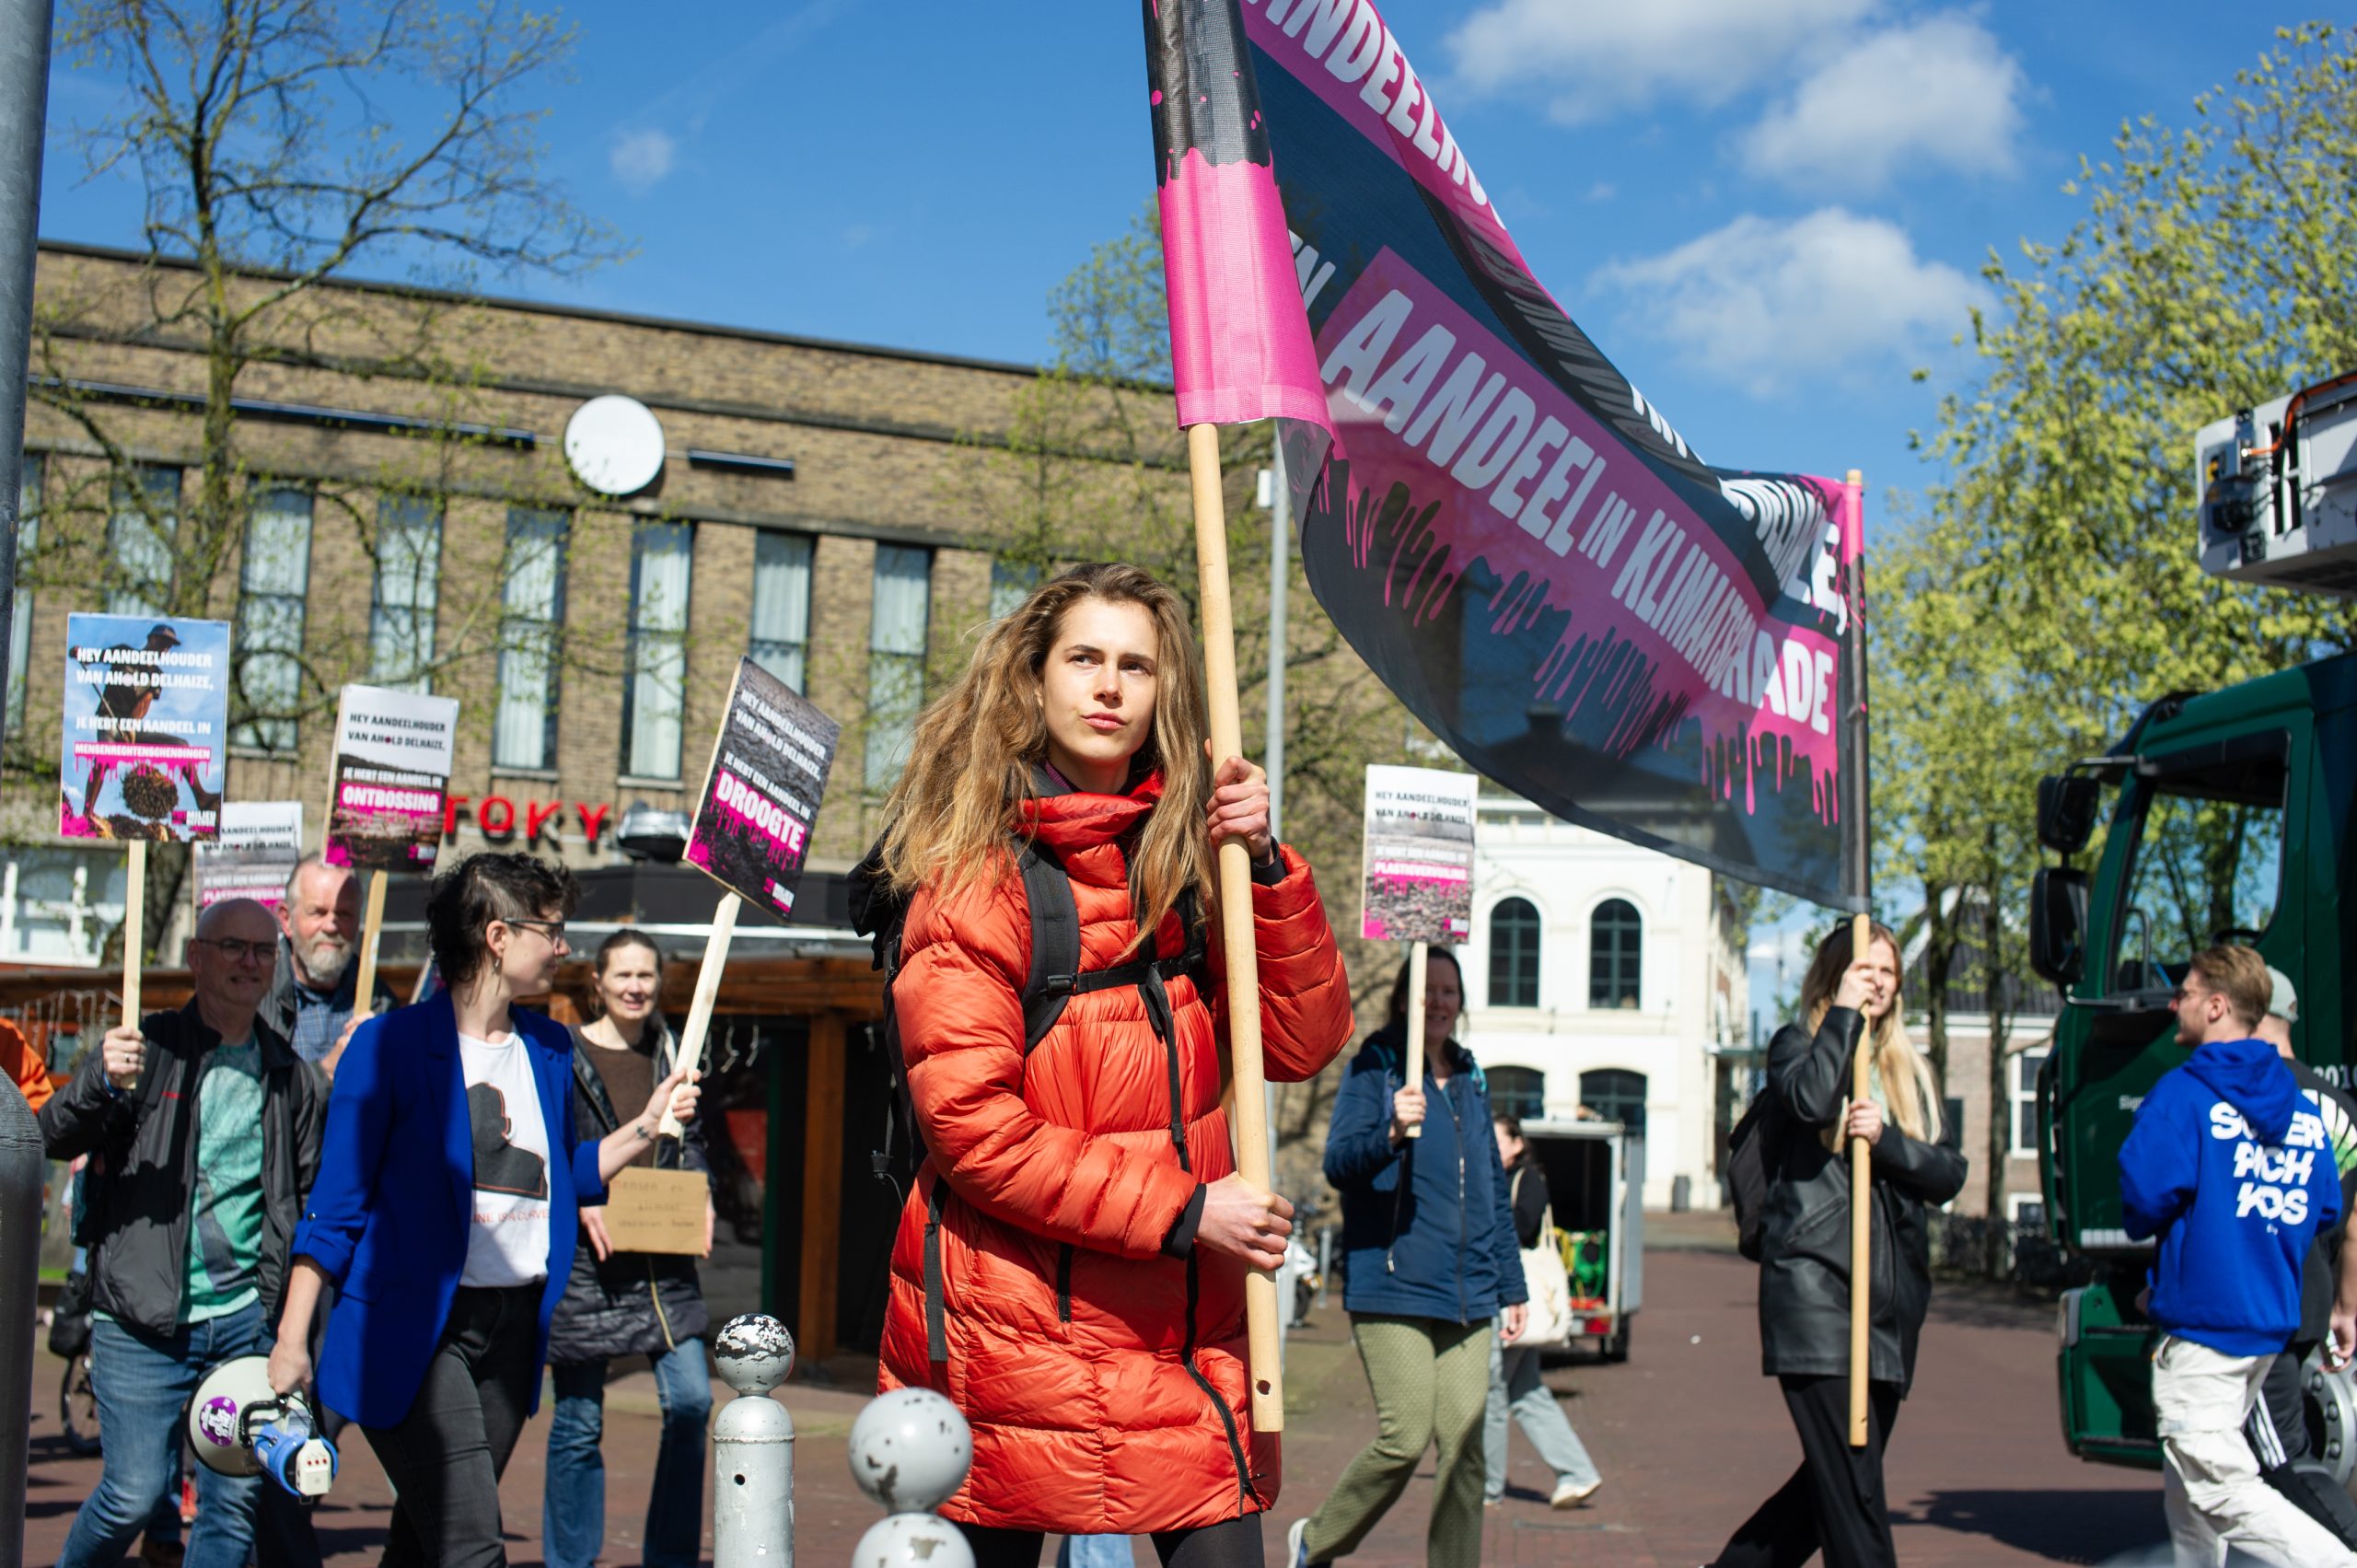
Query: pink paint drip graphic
x,y
1239,339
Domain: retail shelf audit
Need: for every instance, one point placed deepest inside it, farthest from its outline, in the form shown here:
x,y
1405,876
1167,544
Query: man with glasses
x,y
2230,1168
204,1127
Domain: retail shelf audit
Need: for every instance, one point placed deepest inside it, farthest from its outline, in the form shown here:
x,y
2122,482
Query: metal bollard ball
x,y
909,1450
754,1353
912,1538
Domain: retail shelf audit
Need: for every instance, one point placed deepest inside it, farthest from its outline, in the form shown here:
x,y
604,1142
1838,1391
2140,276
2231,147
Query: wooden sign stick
x,y
372,926
1862,931
715,959
135,937
1252,1120
1419,959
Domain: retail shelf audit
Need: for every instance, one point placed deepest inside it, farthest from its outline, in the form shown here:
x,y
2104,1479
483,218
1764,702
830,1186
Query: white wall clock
x,y
614,444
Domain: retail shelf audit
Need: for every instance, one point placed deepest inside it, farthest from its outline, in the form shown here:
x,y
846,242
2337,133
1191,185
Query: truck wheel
x,y
1615,1348
2331,1412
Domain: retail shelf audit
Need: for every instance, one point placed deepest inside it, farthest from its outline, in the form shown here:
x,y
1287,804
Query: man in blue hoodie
x,y
2229,1166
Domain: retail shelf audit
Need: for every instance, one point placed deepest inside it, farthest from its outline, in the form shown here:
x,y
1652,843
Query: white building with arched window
x,y
1610,976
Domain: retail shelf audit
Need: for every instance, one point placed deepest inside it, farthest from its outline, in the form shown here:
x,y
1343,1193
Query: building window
x,y
56,905
409,569
2024,1079
2027,1209
661,558
1616,953
20,616
781,637
143,516
1514,954
1518,1092
277,575
1011,584
896,657
532,614
1615,1093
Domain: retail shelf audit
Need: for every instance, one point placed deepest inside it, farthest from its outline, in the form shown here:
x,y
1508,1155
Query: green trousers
x,y
1430,1381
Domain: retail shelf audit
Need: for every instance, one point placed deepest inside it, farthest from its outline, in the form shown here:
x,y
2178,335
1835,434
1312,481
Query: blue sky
x,y
1767,211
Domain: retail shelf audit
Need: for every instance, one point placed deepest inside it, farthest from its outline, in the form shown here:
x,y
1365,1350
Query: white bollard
x,y
752,1448
909,1450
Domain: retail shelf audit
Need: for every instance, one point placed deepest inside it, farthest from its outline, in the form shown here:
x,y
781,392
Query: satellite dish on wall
x,y
614,444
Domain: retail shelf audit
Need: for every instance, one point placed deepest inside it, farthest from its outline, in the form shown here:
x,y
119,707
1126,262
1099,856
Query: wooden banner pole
x,y
135,937
371,927
1419,961
715,959
1251,1118
1861,944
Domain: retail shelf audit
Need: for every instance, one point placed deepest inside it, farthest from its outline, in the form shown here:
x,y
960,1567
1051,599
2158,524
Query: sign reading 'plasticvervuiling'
x,y
1418,856
393,752
760,795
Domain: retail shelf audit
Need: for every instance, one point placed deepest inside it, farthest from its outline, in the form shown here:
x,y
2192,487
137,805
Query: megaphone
x,y
239,1425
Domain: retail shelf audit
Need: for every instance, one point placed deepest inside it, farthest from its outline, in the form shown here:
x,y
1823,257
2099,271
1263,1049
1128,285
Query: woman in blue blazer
x,y
445,1209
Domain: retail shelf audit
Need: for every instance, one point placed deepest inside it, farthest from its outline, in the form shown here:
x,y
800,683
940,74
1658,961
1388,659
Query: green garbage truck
x,y
2221,816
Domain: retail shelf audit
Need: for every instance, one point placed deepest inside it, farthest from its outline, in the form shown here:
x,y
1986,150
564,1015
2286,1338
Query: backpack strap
x,y
1055,941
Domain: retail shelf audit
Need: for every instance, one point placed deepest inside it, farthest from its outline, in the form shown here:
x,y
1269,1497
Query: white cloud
x,y
1769,305
1591,57
641,159
1940,92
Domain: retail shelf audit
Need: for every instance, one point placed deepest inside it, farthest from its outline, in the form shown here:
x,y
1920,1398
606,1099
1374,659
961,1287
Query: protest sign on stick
x,y
393,754
260,844
1419,876
144,746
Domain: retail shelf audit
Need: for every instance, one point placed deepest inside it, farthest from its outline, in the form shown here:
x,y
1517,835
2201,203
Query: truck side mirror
x,y
2067,804
2058,922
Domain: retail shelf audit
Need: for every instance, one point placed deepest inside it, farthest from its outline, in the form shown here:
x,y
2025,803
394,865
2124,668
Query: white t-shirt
x,y
508,1243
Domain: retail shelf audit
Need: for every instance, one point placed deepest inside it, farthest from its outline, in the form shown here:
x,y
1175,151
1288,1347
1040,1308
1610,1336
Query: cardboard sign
x,y
761,795
393,753
657,1210
145,740
1419,872
260,844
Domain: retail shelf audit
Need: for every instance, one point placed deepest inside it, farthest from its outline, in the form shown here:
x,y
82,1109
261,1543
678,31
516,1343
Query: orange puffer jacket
x,y
1104,1378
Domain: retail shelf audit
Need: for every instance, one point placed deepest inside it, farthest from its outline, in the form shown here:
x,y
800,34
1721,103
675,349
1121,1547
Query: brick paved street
x,y
1688,1435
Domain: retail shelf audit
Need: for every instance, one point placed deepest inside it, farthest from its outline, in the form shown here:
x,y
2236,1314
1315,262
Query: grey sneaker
x,y
1298,1544
1572,1493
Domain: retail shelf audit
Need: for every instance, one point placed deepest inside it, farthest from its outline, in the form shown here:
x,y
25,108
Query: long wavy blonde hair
x,y
972,760
1907,1081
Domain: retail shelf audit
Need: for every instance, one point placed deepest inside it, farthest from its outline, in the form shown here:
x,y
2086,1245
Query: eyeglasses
x,y
2185,994
551,929
238,952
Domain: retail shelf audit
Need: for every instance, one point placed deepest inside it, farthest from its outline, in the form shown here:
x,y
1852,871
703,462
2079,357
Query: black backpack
x,y
1055,978
1752,1152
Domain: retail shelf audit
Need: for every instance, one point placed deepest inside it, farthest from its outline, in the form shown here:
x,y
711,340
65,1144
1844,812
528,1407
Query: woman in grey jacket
x,y
1835,1500
620,1304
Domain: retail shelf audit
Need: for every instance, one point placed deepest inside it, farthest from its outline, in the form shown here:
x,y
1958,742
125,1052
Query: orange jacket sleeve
x,y
958,1001
24,1065
1305,995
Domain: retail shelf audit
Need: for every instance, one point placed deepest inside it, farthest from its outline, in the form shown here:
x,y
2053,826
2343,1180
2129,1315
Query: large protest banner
x,y
146,736
1521,546
261,843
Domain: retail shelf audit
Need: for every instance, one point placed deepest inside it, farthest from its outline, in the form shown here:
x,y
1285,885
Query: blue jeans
x,y
573,1506
1514,1386
1095,1551
143,1383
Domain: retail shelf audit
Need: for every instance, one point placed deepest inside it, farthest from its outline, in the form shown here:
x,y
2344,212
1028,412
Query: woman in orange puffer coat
x,y
1070,1266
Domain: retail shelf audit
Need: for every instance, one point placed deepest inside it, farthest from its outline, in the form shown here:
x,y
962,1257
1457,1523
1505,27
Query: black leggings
x,y
1835,1500
446,1457
1234,1543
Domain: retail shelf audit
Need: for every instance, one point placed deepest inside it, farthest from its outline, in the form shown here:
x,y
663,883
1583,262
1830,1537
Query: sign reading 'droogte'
x,y
393,753
146,727
261,843
1418,856
760,795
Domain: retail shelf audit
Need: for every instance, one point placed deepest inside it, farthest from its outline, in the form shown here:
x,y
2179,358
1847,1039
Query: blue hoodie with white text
x,y
2229,1165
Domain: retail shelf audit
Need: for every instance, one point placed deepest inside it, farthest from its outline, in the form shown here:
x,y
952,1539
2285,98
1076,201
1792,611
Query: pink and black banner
x,y
1519,544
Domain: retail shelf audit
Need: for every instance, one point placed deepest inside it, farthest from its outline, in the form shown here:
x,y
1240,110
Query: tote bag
x,y
1549,1286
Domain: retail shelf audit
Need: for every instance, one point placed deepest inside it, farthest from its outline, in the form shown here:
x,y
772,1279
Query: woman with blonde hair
x,y
1070,1266
1835,1500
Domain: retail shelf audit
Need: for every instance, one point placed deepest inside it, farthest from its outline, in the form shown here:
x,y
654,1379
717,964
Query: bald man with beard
x,y
204,1128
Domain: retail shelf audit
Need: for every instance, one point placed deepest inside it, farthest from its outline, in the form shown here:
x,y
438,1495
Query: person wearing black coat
x,y
1834,1501
624,1303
